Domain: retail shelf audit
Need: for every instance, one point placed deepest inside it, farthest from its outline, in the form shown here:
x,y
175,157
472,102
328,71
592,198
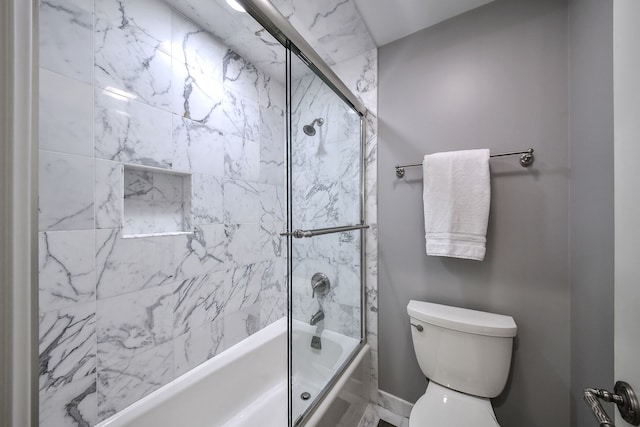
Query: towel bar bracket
x,y
526,160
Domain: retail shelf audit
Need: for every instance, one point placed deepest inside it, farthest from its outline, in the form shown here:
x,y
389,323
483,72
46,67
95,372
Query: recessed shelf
x,y
155,202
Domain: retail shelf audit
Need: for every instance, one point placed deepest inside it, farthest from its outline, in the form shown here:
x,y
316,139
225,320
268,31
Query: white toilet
x,y
466,355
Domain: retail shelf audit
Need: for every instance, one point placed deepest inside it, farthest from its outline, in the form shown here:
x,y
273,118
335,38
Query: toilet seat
x,y
443,407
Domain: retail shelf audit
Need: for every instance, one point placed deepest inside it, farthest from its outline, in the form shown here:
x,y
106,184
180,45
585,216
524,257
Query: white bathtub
x,y
246,385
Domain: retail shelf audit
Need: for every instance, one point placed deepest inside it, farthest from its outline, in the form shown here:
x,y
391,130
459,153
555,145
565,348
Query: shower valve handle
x,y
320,284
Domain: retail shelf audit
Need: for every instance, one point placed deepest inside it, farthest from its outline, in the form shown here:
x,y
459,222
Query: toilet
x,y
466,355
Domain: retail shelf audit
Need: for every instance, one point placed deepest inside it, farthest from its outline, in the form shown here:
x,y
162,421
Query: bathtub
x,y
246,385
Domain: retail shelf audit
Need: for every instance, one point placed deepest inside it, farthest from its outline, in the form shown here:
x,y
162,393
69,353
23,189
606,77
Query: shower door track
x,y
299,234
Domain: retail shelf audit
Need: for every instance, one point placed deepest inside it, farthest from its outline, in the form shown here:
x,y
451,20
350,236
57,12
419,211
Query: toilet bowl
x,y
466,355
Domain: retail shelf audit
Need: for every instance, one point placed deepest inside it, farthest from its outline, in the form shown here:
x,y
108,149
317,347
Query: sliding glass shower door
x,y
326,238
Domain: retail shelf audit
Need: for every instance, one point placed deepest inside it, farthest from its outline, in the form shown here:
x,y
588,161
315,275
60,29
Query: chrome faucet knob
x,y
320,284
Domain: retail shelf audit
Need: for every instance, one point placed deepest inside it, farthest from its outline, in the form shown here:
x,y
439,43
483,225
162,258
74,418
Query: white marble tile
x,y
108,194
197,148
121,384
272,309
249,284
128,265
241,158
261,50
66,115
207,202
272,146
131,131
197,48
197,346
200,253
241,201
130,324
67,346
74,404
132,68
272,90
199,301
250,243
333,27
241,324
67,269
272,203
66,39
360,74
146,21
240,76
199,97
243,116
66,192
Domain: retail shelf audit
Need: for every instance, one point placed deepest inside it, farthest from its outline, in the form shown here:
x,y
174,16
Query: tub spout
x,y
316,342
316,317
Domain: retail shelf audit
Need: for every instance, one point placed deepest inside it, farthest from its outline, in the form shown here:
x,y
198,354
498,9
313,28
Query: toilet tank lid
x,y
463,319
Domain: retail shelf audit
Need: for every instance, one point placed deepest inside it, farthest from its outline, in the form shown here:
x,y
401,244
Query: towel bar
x,y
526,160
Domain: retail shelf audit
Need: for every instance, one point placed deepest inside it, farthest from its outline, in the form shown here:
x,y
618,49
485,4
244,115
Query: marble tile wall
x,y
138,83
360,74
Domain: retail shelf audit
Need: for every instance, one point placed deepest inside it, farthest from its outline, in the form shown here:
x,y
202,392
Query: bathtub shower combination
x,y
207,269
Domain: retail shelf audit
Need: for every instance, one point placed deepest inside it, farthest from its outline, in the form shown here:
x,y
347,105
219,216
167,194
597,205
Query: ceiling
x,y
391,20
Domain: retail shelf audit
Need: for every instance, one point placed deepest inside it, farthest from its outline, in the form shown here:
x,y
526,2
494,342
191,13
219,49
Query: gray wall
x,y
591,205
494,77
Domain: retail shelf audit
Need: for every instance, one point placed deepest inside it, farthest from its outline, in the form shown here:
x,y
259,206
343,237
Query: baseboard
x,y
394,404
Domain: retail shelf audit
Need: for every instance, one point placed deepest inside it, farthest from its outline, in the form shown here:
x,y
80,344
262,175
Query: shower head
x,y
309,129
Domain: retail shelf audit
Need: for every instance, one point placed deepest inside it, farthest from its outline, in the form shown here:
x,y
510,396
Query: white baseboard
x,y
394,404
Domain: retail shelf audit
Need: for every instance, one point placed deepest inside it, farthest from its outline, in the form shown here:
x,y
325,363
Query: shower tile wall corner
x,y
145,86
360,74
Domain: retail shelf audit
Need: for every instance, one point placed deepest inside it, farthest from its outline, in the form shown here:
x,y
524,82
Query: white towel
x,y
456,203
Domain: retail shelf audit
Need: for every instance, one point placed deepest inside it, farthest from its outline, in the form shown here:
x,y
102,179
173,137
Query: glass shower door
x,y
325,220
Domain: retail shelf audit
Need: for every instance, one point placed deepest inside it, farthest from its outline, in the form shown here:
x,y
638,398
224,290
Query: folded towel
x,y
456,203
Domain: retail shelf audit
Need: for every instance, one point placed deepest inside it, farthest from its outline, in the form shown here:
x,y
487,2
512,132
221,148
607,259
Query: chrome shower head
x,y
309,129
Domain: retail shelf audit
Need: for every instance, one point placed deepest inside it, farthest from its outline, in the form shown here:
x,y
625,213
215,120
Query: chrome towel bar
x,y
299,234
526,160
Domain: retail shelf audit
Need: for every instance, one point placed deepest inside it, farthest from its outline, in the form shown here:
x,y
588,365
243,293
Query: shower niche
x,y
155,202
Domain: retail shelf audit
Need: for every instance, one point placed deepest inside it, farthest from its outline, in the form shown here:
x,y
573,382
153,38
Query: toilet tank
x,y
465,350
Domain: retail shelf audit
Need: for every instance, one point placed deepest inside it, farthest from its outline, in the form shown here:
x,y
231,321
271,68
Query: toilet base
x,y
443,407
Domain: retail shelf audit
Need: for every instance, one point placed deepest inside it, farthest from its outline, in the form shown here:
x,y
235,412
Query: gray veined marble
x,y
200,253
132,67
67,269
123,383
129,325
198,345
131,131
196,89
74,404
207,199
199,300
66,115
108,194
66,38
67,346
198,148
128,265
146,21
59,208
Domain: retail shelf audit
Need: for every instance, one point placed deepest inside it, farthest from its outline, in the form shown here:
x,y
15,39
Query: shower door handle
x,y
299,234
